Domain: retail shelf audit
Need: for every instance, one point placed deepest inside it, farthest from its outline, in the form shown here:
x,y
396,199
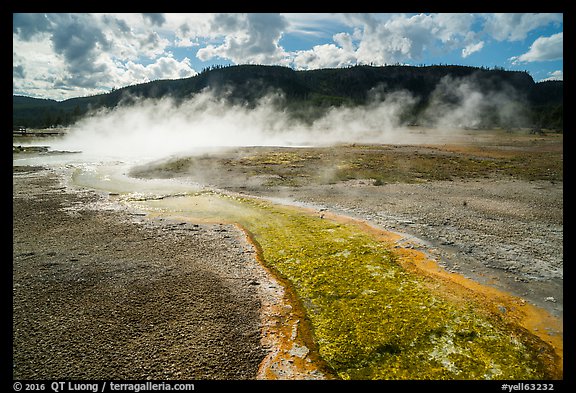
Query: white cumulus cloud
x,y
543,49
163,68
469,49
557,75
248,38
398,38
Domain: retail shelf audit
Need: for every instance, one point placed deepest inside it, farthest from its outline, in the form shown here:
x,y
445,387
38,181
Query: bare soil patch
x,y
103,294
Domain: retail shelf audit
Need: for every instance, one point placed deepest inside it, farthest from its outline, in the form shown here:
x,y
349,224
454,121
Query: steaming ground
x,y
489,206
156,128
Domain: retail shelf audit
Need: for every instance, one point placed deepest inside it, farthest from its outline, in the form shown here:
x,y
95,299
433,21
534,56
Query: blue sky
x,y
61,56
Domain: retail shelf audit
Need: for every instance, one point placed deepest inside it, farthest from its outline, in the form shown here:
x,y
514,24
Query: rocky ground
x,y
101,294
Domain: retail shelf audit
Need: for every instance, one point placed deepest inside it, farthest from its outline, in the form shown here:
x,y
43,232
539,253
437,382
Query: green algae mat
x,y
370,318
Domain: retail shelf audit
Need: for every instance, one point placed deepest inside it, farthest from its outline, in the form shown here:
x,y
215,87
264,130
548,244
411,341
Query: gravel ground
x,y
101,294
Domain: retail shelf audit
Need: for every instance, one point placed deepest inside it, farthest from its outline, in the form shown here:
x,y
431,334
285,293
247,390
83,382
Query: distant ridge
x,y
316,89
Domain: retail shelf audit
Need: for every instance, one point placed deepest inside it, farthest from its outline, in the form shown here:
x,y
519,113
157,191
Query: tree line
x,y
310,91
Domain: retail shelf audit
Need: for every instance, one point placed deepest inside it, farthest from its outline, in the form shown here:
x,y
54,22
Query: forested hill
x,y
307,93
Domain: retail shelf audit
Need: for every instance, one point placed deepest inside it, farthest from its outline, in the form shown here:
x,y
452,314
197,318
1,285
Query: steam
x,y
157,128
460,102
161,127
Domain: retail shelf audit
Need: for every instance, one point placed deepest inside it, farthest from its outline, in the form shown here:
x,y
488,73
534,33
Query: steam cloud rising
x,y
151,129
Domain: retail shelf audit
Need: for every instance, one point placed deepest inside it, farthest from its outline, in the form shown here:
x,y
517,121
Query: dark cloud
x,y
265,31
87,80
155,19
151,39
227,22
77,36
18,72
116,23
184,29
79,39
28,25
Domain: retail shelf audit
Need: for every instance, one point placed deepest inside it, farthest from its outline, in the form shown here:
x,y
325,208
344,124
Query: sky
x,y
61,56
